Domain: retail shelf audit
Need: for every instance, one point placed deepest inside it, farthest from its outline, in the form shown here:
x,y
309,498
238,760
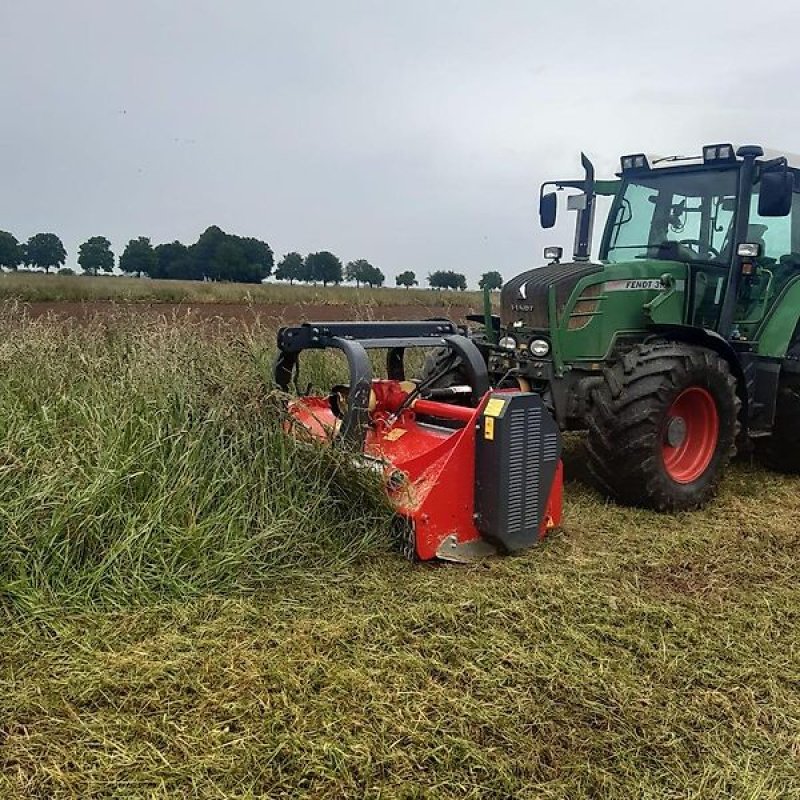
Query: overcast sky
x,y
414,134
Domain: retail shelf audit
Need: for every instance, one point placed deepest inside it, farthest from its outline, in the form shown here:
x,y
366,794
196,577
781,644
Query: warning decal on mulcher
x,y
494,408
488,428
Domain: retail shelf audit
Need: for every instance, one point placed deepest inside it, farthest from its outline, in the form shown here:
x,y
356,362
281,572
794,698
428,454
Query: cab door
x,y
776,266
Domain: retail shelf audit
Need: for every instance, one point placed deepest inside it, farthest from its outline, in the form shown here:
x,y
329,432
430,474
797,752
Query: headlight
x,y
539,347
748,250
508,343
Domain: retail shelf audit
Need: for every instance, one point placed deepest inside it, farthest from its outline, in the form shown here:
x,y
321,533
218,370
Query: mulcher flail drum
x,y
469,480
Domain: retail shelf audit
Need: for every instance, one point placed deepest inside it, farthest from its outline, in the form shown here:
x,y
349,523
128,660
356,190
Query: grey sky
x,y
413,134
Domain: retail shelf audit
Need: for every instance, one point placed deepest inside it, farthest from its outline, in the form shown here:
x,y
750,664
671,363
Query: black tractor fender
x,y
703,337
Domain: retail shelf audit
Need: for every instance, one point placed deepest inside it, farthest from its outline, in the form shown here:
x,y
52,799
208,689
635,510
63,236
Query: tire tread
x,y
624,424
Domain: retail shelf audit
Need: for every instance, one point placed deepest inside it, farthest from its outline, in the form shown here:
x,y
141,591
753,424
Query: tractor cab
x,y
723,217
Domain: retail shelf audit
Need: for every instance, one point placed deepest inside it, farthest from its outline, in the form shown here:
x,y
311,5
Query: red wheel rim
x,y
691,433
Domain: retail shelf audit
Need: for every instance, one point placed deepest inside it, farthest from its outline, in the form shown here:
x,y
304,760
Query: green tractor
x,y
681,343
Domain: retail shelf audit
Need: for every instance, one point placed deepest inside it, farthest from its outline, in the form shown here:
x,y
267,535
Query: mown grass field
x,y
195,606
42,288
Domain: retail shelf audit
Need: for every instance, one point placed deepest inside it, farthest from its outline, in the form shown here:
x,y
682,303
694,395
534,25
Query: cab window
x,y
673,215
778,236
778,263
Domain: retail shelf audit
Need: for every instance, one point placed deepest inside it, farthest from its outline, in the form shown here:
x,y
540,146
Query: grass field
x,y
195,606
39,287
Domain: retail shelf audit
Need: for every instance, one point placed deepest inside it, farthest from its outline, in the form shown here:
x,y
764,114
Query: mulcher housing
x,y
466,480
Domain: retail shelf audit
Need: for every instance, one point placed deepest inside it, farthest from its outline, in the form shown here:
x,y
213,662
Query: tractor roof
x,y
713,155
660,161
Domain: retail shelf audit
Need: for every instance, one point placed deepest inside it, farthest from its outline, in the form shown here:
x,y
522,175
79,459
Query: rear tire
x,y
663,426
781,451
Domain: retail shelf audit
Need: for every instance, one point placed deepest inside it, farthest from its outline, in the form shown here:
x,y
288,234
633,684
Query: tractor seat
x,y
674,251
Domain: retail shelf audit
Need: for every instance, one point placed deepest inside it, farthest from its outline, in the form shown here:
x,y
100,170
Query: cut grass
x,y
39,287
631,655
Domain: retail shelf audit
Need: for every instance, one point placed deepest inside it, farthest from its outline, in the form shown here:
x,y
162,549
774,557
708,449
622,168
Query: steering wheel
x,y
698,244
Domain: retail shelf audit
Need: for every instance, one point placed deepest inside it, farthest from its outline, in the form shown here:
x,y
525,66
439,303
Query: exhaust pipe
x,y
585,222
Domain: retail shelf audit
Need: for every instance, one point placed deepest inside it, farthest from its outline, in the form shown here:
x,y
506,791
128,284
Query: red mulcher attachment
x,y
469,479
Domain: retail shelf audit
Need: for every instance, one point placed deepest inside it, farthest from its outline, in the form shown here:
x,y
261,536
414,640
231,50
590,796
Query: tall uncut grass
x,y
143,459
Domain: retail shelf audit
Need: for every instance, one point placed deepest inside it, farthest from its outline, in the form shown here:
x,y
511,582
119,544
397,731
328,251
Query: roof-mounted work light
x,y
635,161
716,153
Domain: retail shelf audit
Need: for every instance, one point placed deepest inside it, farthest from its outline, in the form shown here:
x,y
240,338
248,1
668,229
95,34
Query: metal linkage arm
x,y
354,338
314,335
356,416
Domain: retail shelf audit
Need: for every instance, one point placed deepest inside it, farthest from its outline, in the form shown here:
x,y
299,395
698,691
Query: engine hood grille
x,y
524,298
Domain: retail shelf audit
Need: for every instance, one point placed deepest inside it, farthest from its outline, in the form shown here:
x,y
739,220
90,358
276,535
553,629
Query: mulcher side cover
x,y
517,455
469,480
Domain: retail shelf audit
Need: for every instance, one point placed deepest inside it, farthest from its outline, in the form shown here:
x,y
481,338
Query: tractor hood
x,y
524,298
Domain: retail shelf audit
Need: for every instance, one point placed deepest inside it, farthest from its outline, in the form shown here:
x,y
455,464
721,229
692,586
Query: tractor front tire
x,y
781,451
663,426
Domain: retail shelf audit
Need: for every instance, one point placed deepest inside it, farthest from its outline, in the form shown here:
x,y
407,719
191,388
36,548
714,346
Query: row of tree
x,y
42,251
218,256
215,256
324,267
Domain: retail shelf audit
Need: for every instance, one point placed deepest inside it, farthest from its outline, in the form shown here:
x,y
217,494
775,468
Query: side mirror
x,y
775,193
548,207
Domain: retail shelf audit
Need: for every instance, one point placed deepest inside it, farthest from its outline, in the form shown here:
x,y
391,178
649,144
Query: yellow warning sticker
x,y
488,428
494,408
394,434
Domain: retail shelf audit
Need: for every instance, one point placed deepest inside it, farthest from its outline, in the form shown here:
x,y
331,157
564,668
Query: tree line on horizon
x,y
215,256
